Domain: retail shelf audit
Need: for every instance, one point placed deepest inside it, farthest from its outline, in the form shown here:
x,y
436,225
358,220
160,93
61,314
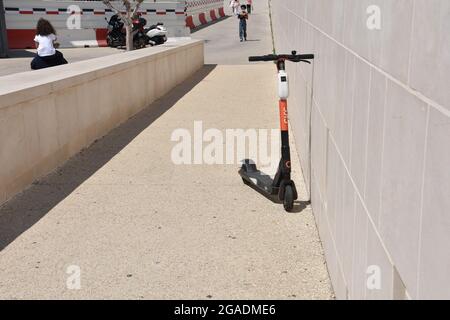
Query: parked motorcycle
x,y
116,36
157,34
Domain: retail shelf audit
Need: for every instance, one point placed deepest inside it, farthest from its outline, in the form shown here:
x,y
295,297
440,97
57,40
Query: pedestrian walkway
x,y
138,226
222,44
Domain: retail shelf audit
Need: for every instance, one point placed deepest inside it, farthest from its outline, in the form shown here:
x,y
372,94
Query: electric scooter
x,y
281,188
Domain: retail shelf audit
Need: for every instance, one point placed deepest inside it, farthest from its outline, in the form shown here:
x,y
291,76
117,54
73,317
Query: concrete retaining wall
x,y
49,115
379,104
22,16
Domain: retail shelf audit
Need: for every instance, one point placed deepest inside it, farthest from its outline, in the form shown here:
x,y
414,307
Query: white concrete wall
x,y
49,115
165,11
379,103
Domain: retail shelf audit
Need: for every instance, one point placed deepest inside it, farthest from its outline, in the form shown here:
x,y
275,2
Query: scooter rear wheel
x,y
288,201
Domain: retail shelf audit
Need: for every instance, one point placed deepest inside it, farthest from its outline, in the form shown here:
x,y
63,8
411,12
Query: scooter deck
x,y
260,181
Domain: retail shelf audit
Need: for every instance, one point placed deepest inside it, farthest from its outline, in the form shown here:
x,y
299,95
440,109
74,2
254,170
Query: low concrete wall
x,y
49,115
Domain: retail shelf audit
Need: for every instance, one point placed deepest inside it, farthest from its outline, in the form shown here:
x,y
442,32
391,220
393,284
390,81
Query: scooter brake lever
x,y
305,61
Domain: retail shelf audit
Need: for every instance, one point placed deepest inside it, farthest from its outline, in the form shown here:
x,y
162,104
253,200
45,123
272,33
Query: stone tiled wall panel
x,y
380,106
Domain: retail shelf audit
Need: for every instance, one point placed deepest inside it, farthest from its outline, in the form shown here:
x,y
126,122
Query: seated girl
x,y
47,55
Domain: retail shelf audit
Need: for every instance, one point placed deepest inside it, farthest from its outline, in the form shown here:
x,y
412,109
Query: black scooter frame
x,y
280,189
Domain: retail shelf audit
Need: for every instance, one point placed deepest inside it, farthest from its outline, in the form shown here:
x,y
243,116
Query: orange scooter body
x,y
284,118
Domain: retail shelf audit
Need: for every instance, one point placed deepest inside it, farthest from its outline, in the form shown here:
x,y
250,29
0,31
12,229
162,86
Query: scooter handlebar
x,y
269,57
275,57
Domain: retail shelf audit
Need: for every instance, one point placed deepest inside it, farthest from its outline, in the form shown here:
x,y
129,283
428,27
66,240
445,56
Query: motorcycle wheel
x,y
109,42
139,43
143,42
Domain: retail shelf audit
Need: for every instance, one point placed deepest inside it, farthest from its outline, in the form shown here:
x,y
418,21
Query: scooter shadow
x,y
300,206
263,180
263,177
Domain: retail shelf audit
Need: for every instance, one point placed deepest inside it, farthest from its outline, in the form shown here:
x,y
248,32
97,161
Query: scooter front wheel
x,y
288,201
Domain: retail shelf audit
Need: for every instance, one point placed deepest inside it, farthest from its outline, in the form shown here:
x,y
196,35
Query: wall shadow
x,y
28,207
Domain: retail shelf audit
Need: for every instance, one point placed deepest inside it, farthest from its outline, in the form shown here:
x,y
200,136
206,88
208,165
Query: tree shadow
x,y
24,210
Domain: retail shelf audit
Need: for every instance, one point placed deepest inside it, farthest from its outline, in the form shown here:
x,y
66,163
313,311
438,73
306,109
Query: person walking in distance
x,y
249,6
234,5
243,17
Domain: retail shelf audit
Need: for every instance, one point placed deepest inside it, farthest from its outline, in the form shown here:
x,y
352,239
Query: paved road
x,y
222,39
138,226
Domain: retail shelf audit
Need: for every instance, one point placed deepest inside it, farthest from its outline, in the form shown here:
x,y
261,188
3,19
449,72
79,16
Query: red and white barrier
x,y
202,12
179,17
22,15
